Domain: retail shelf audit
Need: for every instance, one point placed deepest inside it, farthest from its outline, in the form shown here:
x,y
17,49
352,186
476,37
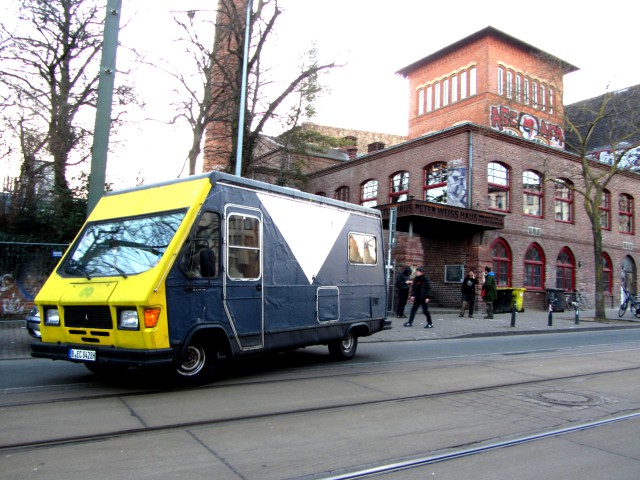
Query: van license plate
x,y
86,355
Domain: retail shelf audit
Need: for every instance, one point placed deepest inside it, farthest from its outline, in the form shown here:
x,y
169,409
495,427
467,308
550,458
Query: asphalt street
x,y
15,342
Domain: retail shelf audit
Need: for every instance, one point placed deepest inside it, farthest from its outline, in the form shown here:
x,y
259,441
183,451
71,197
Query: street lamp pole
x,y
243,90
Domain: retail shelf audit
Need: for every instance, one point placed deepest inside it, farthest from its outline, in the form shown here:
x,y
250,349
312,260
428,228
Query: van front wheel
x,y
197,363
344,349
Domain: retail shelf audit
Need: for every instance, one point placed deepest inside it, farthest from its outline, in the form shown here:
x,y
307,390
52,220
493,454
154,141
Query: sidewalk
x,y
447,324
15,341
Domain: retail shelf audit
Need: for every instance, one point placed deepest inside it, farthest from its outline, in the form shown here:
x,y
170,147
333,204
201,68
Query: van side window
x,y
243,240
362,249
201,250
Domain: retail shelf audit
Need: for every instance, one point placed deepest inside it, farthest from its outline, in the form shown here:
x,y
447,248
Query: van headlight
x,y
52,317
128,320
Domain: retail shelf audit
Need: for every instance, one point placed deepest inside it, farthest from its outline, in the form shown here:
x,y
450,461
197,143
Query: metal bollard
x,y
577,314
550,315
513,314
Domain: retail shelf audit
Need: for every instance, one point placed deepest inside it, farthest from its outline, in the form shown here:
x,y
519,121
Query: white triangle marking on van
x,y
309,229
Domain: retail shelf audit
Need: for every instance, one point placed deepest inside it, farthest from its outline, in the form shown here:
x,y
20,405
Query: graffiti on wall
x,y
457,187
23,271
525,125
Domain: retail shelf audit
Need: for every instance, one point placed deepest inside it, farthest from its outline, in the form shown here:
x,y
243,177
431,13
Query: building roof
x,y
619,125
485,32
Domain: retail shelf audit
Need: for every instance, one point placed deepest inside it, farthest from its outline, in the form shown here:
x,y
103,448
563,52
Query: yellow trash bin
x,y
518,298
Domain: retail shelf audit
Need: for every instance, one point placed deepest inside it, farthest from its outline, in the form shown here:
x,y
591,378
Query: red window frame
x,y
605,210
498,184
563,198
607,273
625,214
399,187
531,194
534,267
369,193
342,193
435,177
565,270
501,256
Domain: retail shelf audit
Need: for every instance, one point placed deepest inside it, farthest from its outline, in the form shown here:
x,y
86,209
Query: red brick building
x,y
471,183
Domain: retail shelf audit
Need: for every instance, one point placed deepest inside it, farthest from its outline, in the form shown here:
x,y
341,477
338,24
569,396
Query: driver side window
x,y
201,250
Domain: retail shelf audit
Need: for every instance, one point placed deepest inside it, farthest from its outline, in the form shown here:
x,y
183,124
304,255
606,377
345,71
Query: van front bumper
x,y
104,355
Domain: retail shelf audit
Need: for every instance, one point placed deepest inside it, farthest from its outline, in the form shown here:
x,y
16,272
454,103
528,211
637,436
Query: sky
x,y
373,39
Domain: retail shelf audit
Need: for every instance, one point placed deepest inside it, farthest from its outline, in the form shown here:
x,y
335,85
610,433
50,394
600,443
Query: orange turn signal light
x,y
151,317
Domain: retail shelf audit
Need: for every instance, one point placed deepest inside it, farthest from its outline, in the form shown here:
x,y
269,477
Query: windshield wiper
x,y
119,270
78,270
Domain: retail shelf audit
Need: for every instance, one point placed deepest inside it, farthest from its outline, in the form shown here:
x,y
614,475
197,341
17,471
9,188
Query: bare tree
x,y
211,103
50,73
48,89
604,132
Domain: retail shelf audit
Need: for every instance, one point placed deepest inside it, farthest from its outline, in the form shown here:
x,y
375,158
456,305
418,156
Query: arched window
x,y
607,273
565,270
342,193
421,101
605,210
500,81
509,85
399,187
445,92
501,255
534,267
369,193
628,279
454,89
625,213
498,179
473,81
437,95
435,182
464,85
532,193
563,201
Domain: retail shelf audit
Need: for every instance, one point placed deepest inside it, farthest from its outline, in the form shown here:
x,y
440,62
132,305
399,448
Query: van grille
x,y
88,317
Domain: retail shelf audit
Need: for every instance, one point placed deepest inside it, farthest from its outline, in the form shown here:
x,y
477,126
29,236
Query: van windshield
x,y
122,247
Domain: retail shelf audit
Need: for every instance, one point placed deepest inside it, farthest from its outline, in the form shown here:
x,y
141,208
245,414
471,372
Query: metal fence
x,y
24,267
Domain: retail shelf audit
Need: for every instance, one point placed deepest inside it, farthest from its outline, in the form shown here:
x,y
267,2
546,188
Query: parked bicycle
x,y
576,298
632,302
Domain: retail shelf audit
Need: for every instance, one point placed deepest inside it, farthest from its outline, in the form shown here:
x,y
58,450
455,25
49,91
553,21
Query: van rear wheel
x,y
197,363
344,349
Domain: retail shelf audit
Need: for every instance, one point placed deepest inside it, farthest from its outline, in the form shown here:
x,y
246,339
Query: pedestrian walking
x,y
403,284
421,295
468,290
489,291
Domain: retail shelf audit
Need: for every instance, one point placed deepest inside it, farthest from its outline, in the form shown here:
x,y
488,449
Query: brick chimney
x,y
375,147
352,148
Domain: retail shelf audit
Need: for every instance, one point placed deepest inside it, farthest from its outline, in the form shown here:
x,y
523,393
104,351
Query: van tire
x,y
344,349
197,363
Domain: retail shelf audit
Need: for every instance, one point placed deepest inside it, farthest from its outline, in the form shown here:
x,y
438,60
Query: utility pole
x,y
104,104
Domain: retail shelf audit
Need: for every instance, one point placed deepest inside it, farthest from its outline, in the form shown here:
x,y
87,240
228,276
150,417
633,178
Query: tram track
x,y
417,462
213,421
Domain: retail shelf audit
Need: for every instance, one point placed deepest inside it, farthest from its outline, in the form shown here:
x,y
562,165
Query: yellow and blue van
x,y
188,272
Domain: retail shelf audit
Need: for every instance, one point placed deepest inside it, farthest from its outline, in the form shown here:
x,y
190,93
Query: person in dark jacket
x,y
468,293
489,290
421,295
403,284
